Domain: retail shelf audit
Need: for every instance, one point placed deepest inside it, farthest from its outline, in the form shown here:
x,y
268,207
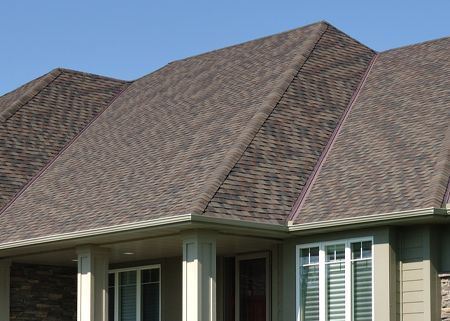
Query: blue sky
x,y
127,39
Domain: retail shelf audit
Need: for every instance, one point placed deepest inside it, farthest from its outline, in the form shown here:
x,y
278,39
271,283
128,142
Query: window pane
x,y
340,251
309,256
367,249
356,250
309,293
335,275
335,252
111,296
304,256
127,302
330,253
150,295
314,255
362,290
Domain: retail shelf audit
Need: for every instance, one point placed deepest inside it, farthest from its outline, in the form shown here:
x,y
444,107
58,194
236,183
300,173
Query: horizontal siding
x,y
412,277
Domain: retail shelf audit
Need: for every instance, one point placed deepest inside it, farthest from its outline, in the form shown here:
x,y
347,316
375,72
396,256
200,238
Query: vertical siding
x,y
412,276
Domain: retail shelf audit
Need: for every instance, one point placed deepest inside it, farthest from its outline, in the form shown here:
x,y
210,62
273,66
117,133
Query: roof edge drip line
x,y
311,179
29,94
257,121
53,159
371,219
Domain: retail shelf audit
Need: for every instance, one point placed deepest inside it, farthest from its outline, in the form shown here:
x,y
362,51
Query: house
x,y
302,176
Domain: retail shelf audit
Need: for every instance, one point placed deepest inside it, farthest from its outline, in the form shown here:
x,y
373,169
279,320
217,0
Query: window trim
x,y
322,276
138,269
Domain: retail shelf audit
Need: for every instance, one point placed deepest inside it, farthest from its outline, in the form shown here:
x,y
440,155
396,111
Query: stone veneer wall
x,y
445,294
40,292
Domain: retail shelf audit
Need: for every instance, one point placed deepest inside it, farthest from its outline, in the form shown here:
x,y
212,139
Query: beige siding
x,y
419,297
412,285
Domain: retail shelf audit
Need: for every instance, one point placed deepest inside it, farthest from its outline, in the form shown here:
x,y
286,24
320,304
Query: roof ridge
x,y
84,73
35,89
310,182
416,44
316,24
245,138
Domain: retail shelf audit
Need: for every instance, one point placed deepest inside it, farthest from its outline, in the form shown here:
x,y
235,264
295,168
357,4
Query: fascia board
x,y
369,220
213,222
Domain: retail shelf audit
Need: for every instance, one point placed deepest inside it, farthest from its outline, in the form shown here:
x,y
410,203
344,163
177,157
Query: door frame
x,y
259,255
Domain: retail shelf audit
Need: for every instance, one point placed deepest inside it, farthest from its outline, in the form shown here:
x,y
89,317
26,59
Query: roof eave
x,y
187,221
392,218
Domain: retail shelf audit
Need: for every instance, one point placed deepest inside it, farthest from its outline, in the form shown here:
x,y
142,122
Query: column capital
x,y
93,250
198,234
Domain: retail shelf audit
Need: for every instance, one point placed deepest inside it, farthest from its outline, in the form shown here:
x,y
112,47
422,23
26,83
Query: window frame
x,y
322,275
138,270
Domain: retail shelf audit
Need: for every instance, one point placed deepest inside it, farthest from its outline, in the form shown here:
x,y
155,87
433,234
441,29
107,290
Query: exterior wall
x,y
419,285
411,273
40,292
49,293
384,258
171,281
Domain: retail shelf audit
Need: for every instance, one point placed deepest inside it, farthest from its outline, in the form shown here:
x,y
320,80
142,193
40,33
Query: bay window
x,y
334,281
134,294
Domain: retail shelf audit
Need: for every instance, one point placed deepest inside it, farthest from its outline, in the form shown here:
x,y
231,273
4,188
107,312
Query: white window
x,y
334,281
135,294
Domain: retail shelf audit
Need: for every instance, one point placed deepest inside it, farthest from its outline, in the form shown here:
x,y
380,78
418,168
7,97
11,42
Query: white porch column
x,y
92,297
5,266
199,277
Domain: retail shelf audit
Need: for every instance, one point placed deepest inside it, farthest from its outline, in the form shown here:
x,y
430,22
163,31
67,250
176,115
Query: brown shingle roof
x,y
393,152
166,144
234,133
271,173
38,119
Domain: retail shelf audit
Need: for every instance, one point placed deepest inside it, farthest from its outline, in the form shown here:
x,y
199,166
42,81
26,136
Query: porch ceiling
x,y
146,249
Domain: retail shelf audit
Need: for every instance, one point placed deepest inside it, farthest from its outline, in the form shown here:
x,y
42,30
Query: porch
x,y
185,275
